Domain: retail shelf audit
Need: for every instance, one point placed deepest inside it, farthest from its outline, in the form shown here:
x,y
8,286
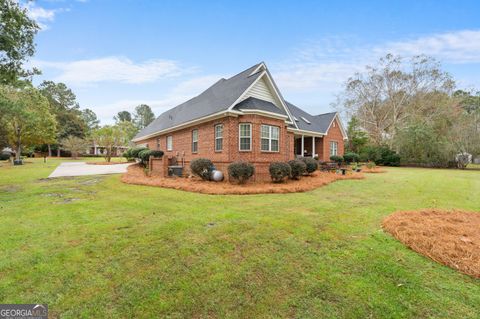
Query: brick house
x,y
243,118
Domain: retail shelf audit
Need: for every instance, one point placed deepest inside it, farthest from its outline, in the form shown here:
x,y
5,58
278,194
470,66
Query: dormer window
x,y
306,121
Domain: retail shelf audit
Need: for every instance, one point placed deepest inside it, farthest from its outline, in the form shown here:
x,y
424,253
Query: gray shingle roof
x,y
219,97
318,123
256,104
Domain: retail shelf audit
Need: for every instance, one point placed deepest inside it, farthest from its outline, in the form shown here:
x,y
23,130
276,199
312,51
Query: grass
x,y
94,247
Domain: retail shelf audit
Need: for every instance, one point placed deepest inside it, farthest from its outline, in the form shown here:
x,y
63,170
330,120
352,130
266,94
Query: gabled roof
x,y
253,103
225,96
219,97
318,123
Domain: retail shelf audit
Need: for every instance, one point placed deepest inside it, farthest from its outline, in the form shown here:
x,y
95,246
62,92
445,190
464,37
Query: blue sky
x,y
118,54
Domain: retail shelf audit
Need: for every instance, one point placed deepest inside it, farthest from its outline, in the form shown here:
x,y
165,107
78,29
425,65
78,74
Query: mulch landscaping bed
x,y
373,170
136,175
451,237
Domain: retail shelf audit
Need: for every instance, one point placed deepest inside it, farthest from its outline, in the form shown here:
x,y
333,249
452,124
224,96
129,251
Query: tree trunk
x,y
58,151
18,151
49,150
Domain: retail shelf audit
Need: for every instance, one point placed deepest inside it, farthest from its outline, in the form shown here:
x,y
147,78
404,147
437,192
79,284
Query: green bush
x,y
202,167
381,155
279,171
337,159
156,154
133,153
312,165
241,171
4,156
351,157
298,168
144,155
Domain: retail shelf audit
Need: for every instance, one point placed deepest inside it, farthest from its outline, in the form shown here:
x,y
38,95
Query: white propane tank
x,y
217,176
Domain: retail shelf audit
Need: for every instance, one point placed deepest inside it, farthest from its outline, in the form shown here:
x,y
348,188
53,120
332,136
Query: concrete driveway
x,y
82,168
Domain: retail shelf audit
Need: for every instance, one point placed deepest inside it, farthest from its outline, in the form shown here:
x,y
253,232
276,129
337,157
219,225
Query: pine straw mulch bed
x,y
451,237
135,175
374,170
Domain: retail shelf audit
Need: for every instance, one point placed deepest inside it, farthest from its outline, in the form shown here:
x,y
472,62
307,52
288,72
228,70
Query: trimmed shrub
x,y
337,159
381,155
156,154
4,156
241,171
202,167
279,171
351,157
312,165
298,168
134,152
388,157
144,156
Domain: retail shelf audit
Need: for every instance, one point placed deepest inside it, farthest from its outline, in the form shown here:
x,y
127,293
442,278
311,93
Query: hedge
x,y
241,171
279,171
202,167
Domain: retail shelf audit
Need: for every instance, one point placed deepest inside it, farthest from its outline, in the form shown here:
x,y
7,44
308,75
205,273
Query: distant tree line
x,y
48,118
411,108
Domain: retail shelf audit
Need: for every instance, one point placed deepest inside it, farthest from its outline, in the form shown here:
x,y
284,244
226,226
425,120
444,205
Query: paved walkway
x,y
82,168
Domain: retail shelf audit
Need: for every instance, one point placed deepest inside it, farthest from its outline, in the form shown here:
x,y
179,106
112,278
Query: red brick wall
x,y
333,134
182,143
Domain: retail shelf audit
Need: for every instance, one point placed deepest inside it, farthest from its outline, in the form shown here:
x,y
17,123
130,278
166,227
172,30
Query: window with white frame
x,y
269,138
194,141
333,148
218,137
169,143
245,136
158,144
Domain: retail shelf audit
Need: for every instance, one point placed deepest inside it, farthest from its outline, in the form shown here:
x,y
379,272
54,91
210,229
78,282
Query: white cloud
x,y
452,47
323,66
112,69
180,93
42,15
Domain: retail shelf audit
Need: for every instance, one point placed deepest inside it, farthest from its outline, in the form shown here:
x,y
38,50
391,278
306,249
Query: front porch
x,y
308,146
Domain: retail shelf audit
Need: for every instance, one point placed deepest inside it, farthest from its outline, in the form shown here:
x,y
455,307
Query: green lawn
x,y
95,247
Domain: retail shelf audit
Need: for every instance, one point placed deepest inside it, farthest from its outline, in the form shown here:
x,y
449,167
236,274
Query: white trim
x,y
280,97
269,138
310,133
215,138
265,113
256,70
342,130
189,123
275,90
333,148
305,120
195,141
171,142
240,137
230,108
313,146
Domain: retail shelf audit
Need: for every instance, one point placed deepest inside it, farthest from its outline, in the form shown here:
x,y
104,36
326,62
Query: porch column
x,y
313,146
303,144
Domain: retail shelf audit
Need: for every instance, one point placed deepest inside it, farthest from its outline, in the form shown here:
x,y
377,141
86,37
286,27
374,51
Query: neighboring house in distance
x,y
95,149
244,118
